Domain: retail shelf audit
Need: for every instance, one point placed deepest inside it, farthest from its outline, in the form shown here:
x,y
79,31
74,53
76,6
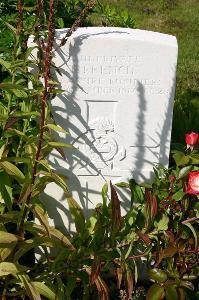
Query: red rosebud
x,y
193,183
191,139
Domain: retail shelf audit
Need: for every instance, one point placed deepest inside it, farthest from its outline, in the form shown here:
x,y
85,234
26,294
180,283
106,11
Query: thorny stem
x,y
39,15
20,17
78,21
47,65
39,24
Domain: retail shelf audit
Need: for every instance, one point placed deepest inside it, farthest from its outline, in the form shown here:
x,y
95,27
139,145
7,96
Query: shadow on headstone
x,y
117,106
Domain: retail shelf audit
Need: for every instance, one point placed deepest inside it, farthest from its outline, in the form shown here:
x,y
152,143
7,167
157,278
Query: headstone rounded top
x,y
122,33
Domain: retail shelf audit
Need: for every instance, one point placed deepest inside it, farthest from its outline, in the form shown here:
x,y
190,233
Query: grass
x,y
179,18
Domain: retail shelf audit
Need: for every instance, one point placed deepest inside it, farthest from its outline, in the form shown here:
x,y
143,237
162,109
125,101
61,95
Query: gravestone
x,y
117,106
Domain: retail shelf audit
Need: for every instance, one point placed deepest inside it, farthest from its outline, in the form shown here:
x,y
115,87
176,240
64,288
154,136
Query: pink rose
x,y
191,139
193,183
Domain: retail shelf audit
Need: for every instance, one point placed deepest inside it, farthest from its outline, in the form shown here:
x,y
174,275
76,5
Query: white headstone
x,y
119,89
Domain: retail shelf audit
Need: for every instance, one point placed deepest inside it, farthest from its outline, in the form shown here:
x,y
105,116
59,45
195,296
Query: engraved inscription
x,y
105,70
113,59
114,75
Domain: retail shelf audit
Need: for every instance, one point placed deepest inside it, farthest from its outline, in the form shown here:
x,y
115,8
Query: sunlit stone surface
x,y
119,89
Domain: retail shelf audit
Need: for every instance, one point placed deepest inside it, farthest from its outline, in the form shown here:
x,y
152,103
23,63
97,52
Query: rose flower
x,y
191,139
193,183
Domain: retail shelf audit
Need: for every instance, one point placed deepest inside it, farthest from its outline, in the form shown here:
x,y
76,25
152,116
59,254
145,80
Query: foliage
x,y
116,17
155,244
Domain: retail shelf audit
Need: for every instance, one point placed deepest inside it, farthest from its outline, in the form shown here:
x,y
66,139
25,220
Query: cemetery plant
x,y
150,253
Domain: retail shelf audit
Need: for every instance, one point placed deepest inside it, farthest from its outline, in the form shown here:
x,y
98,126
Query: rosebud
x,y
193,183
191,139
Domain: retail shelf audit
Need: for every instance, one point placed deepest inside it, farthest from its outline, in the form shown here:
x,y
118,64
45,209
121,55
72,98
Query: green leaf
x,y
60,22
53,82
53,177
7,268
29,51
180,158
12,170
59,144
33,243
90,224
5,252
194,158
3,118
56,91
2,150
122,184
62,292
131,216
189,285
26,114
42,217
54,233
44,290
25,192
184,171
14,30
29,9
6,190
104,194
77,214
7,86
194,233
56,128
8,238
20,93
16,89
155,292
178,195
157,275
8,242
137,195
17,132
29,287
171,292
45,164
5,64
20,160
162,224
10,217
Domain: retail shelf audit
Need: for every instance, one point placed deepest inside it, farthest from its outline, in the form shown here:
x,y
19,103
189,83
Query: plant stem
x,y
21,138
78,21
20,17
47,65
189,220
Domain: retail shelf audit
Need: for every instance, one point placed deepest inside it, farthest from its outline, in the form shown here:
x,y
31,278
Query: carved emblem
x,y
102,148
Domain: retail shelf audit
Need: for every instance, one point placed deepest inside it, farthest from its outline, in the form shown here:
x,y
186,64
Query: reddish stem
x,y
47,65
189,220
78,21
20,17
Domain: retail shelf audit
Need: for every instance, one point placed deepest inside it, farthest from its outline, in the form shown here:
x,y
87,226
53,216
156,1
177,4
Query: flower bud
x,y
191,139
